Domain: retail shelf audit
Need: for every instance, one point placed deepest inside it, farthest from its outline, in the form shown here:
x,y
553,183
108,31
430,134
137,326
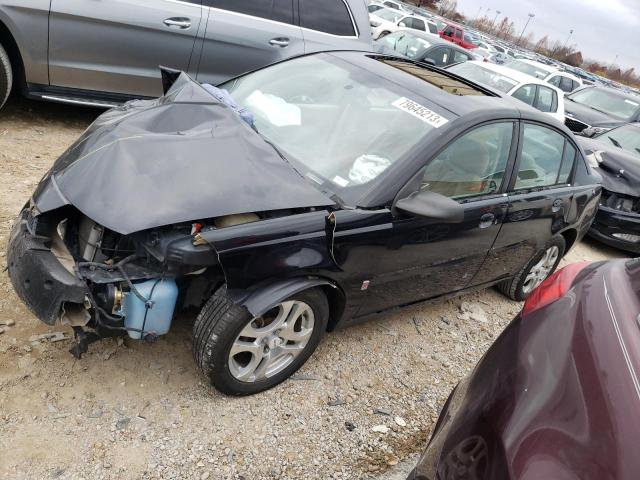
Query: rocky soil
x,y
365,401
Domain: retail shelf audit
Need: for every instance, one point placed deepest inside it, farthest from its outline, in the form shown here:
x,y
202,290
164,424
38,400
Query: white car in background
x,y
547,73
395,6
534,92
386,21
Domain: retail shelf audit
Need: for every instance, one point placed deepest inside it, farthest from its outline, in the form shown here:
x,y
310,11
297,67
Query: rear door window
x,y
547,100
542,158
433,28
566,85
328,16
526,94
459,56
440,56
458,33
277,10
419,24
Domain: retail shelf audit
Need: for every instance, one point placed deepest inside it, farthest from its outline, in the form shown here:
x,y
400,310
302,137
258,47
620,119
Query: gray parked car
x,y
104,52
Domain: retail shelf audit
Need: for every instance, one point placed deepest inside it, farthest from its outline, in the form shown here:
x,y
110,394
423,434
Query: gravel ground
x,y
134,410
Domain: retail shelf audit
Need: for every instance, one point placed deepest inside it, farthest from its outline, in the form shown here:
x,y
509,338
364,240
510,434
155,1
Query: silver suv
x,y
105,52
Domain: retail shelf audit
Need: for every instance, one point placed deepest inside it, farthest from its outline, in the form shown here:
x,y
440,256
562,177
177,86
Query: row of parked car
x,y
326,189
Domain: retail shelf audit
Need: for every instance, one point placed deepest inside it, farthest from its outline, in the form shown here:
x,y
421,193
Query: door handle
x,y
178,22
281,42
557,205
486,220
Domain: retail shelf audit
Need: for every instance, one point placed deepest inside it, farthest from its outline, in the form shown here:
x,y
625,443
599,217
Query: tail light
x,y
553,288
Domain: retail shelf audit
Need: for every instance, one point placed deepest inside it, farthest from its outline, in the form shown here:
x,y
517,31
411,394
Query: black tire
x,y
220,322
6,76
513,288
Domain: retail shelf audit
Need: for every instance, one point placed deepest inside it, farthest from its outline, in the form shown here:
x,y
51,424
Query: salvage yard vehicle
x,y
422,47
563,80
551,398
525,88
594,110
102,53
616,155
358,183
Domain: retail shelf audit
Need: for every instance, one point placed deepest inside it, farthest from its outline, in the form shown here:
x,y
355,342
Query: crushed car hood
x,y
184,156
619,169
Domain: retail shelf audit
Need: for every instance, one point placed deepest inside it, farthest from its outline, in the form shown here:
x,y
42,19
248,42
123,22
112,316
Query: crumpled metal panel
x,y
181,157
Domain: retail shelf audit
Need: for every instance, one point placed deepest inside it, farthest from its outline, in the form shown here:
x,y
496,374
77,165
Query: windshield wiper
x,y
615,142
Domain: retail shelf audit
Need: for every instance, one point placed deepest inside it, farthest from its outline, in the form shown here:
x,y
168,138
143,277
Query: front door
x,y
242,36
414,258
117,45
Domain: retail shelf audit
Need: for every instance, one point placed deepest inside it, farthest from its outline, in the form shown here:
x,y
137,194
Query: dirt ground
x,y
135,410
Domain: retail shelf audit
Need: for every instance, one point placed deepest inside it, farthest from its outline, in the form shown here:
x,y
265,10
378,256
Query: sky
x,y
602,29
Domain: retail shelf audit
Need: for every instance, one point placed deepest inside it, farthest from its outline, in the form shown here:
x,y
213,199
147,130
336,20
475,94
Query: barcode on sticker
x,y
420,111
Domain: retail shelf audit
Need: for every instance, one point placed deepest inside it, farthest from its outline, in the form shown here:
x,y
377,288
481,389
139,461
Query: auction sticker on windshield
x,y
420,111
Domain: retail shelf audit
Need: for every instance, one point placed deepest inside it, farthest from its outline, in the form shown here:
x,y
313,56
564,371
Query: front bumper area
x,y
610,221
38,277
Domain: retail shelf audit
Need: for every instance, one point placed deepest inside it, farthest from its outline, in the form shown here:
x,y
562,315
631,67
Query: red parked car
x,y
456,34
557,395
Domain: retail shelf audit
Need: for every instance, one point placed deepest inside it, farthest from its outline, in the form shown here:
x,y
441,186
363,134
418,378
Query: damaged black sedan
x,y
616,156
339,185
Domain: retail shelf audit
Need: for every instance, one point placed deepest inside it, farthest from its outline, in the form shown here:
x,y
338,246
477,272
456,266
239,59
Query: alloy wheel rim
x,y
541,270
270,343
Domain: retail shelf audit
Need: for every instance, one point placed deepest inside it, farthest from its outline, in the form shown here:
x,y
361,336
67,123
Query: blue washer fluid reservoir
x,y
163,294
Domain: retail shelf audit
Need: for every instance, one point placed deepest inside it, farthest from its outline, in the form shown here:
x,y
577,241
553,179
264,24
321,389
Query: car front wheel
x,y
536,271
243,355
6,76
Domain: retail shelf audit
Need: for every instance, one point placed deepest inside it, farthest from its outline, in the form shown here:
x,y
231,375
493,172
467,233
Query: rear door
x,y
331,25
243,35
117,45
540,200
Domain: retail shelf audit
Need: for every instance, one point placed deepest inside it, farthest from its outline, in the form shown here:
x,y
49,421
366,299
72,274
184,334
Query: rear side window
x,y
555,81
542,159
277,10
440,56
567,163
433,28
459,56
566,85
458,33
328,16
547,100
418,24
526,94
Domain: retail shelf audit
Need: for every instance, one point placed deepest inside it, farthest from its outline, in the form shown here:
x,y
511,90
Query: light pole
x,y
531,15
570,33
615,60
475,20
498,12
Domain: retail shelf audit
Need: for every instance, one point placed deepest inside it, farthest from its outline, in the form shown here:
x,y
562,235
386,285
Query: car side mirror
x,y
402,24
429,61
432,205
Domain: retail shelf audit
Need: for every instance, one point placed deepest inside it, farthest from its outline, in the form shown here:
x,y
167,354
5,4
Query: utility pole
x,y
498,12
531,15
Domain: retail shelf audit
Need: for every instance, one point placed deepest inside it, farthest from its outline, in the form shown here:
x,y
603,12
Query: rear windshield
x,y
479,74
529,69
407,44
389,15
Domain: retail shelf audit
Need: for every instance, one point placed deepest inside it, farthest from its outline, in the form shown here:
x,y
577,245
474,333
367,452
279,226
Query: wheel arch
x,y
8,41
259,300
570,236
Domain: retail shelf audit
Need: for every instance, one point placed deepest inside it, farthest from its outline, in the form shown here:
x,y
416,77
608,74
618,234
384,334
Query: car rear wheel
x,y
243,355
6,76
536,271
